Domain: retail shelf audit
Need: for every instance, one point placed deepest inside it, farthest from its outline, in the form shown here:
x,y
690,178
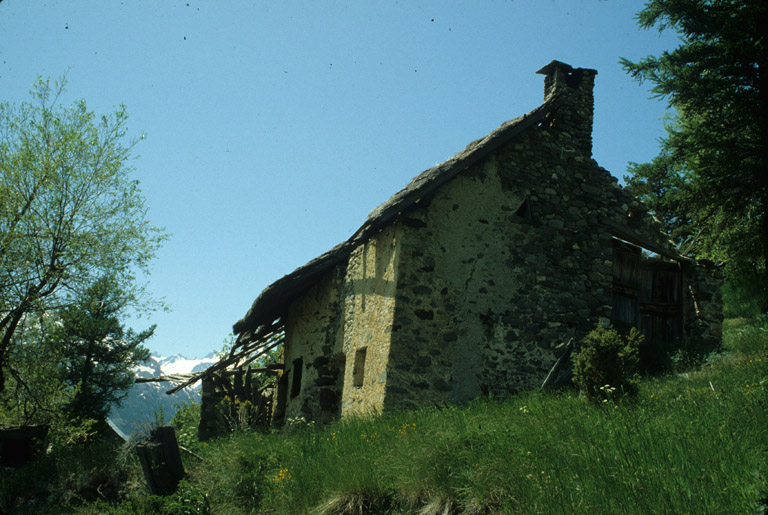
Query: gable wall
x,y
328,328
311,335
483,295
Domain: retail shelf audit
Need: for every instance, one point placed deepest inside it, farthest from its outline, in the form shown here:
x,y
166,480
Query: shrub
x,y
185,422
606,365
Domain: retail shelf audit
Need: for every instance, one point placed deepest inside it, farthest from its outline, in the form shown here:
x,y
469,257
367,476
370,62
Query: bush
x,y
606,365
185,422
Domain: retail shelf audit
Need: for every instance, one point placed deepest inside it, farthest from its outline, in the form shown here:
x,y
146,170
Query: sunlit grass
x,y
693,442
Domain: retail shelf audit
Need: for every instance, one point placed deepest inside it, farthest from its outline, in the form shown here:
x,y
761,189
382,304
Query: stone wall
x,y
498,273
703,304
314,361
509,259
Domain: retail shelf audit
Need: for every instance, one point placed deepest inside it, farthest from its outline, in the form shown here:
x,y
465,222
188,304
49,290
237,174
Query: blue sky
x,y
274,126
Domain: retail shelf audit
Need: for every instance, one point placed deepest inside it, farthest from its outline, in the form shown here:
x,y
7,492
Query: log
x,y
161,461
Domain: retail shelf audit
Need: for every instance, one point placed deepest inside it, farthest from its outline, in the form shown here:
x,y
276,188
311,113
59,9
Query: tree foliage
x,y
97,352
34,392
70,211
709,185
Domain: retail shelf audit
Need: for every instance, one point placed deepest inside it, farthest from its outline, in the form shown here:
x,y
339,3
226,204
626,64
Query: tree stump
x,y
161,461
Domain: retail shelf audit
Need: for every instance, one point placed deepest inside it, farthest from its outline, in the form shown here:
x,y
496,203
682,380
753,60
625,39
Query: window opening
x,y
358,371
298,365
524,211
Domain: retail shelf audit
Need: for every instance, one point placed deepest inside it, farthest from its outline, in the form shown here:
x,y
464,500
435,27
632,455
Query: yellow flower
x,y
282,475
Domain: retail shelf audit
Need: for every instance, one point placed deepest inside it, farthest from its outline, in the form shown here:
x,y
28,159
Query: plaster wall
x,y
366,314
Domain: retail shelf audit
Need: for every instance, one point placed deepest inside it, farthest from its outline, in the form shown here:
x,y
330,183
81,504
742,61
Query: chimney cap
x,y
567,68
546,70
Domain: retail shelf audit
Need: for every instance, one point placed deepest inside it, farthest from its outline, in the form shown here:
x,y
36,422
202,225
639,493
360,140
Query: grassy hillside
x,y
693,442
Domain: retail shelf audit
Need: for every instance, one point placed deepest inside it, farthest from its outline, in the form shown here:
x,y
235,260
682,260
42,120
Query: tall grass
x,y
690,443
687,443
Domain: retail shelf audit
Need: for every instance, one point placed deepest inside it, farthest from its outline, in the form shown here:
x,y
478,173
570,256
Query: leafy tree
x,y
710,183
70,212
98,353
34,392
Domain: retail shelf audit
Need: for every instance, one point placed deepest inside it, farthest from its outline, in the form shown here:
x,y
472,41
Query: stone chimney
x,y
574,87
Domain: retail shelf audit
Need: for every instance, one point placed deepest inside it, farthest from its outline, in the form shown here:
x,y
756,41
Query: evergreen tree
x,y
98,353
710,183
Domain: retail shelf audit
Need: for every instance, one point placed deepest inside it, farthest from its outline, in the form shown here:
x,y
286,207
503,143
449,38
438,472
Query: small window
x,y
298,365
524,211
358,371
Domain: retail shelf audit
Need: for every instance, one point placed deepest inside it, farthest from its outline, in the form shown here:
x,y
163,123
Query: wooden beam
x,y
628,235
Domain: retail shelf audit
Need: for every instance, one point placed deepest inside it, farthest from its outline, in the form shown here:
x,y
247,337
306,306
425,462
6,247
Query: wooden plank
x,y
660,309
549,381
624,291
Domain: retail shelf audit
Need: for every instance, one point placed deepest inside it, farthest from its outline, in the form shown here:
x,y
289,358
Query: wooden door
x,y
646,294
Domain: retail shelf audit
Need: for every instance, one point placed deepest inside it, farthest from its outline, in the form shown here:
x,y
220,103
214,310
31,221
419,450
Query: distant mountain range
x,y
147,403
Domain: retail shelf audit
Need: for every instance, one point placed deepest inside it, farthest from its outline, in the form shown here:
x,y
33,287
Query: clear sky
x,y
274,126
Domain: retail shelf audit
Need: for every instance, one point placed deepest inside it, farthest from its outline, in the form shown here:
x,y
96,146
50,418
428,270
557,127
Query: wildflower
x,y
282,475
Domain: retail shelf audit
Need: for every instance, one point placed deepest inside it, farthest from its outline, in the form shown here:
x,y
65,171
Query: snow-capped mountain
x,y
147,403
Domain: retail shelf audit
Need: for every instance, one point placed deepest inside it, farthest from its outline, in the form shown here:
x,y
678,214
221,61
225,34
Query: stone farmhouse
x,y
468,281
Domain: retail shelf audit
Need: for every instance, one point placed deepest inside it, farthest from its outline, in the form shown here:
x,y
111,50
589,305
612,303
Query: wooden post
x,y
559,364
161,461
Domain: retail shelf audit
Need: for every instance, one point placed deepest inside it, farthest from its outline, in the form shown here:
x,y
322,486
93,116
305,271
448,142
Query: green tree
x,y
70,211
710,183
98,353
34,392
